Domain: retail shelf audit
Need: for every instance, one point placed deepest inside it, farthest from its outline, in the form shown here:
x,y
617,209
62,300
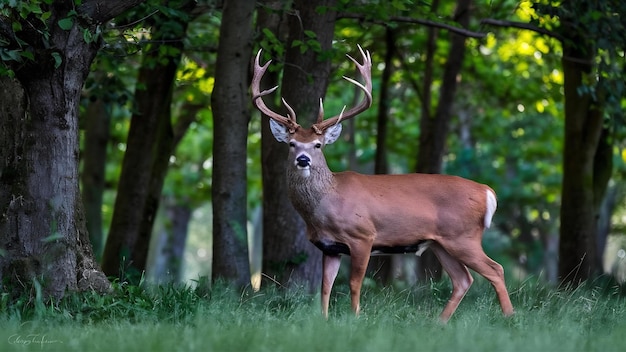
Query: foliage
x,y
31,23
165,318
602,24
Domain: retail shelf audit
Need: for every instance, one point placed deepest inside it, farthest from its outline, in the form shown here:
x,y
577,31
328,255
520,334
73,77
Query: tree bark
x,y
42,231
230,102
287,254
434,130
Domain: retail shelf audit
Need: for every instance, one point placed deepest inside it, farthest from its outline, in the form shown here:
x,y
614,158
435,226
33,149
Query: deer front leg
x,y
330,268
359,260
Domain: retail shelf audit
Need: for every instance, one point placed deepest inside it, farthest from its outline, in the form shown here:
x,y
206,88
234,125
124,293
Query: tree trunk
x,y
42,230
602,172
168,260
583,127
287,253
230,102
434,130
381,266
279,216
44,240
149,146
97,121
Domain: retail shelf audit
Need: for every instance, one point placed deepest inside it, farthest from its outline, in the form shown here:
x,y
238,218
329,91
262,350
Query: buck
x,y
347,213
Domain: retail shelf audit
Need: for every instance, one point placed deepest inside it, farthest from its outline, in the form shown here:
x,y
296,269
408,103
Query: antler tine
x,y
365,70
257,97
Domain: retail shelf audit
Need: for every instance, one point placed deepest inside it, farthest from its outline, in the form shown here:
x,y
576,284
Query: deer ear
x,y
332,133
280,132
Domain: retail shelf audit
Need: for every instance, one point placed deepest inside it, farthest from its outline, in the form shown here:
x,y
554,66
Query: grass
x,y
168,318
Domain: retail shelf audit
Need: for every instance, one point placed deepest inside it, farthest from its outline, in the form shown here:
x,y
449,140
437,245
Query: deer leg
x,y
358,261
460,277
330,268
473,256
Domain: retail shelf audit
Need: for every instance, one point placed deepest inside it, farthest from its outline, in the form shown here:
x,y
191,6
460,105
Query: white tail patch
x,y
492,204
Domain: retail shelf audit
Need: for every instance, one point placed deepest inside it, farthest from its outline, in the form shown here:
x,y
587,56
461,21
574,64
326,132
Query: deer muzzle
x,y
303,162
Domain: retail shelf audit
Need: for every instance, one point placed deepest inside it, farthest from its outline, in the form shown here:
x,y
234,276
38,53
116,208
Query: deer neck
x,y
306,192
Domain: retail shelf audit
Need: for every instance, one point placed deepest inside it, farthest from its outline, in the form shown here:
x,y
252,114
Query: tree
x,y
592,35
589,30
434,128
231,114
149,146
49,49
279,216
382,266
287,254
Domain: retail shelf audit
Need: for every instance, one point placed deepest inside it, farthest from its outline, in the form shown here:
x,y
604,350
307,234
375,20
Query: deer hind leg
x,y
460,277
472,255
330,268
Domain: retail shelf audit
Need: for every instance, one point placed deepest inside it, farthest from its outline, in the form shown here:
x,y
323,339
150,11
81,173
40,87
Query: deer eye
x,y
318,145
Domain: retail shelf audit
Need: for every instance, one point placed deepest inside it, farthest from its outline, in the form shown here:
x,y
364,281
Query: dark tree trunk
x,y
381,266
602,172
42,231
97,121
583,127
133,202
434,130
149,146
587,152
230,102
279,216
287,253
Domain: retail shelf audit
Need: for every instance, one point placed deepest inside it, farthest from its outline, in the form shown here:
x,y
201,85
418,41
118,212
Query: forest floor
x,y
170,318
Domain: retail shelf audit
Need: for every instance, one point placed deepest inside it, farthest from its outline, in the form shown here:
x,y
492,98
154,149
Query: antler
x,y
366,72
288,121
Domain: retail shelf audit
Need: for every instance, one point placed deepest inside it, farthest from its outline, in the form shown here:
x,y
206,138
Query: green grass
x,y
183,319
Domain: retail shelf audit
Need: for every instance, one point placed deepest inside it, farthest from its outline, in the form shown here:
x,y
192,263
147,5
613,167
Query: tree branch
x,y
403,19
521,25
101,10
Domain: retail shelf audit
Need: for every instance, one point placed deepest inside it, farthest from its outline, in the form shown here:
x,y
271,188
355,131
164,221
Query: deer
x,y
348,213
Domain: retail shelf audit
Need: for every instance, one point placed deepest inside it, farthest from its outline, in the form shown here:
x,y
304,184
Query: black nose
x,y
303,161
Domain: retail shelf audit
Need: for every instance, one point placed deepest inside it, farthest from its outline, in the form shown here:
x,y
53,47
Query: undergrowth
x,y
172,317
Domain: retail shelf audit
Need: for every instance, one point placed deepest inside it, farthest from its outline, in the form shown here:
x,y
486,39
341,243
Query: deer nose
x,y
303,161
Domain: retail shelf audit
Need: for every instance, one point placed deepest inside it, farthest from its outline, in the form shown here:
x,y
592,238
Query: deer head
x,y
305,145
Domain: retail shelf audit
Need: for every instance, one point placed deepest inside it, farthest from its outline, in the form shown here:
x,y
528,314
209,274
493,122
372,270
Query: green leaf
x,y
57,59
66,23
27,54
88,37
